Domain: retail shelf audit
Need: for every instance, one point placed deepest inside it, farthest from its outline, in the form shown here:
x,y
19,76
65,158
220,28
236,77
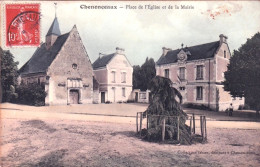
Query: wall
x,y
119,64
72,52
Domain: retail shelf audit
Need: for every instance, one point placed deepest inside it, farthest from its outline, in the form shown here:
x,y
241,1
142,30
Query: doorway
x,y
74,96
103,97
136,97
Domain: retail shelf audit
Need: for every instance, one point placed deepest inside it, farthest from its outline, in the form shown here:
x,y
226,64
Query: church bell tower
x,y
53,33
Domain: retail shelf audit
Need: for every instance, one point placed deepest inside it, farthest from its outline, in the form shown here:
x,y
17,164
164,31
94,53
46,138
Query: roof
x,y
42,58
102,61
202,51
55,28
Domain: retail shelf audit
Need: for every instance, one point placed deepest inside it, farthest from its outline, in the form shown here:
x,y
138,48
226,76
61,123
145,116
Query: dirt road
x,y
35,136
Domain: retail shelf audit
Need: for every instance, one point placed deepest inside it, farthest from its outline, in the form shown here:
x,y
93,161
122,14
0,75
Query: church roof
x,y
55,28
42,58
202,51
102,61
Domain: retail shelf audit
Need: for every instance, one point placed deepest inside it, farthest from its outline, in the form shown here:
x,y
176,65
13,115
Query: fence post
x,y
178,128
193,123
163,129
141,120
190,124
201,126
137,122
205,127
147,121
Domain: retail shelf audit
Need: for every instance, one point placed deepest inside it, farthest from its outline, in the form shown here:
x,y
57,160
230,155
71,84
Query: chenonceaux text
x,y
97,7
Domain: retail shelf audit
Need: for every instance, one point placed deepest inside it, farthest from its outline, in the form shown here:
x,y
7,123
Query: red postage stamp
x,y
22,24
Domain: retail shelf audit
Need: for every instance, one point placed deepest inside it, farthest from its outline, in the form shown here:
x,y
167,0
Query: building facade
x,y
62,65
198,72
114,75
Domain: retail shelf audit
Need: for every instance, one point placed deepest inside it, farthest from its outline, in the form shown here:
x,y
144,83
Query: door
x,y
136,96
74,96
102,97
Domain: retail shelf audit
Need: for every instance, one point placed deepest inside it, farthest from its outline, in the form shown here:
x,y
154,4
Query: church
x,y
63,66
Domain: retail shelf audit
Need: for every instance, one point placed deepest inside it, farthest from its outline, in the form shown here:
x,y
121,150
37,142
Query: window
x,y
123,92
113,76
225,56
166,73
199,93
199,72
123,77
182,73
182,88
142,95
74,66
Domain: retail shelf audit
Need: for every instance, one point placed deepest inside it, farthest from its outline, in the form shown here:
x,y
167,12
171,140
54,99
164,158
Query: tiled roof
x,y
55,28
103,61
197,52
42,58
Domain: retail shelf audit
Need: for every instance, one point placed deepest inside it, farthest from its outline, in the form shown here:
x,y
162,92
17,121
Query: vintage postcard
x,y
129,83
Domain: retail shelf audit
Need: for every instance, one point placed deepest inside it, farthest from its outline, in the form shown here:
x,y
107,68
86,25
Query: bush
x,y
108,102
197,106
31,94
130,101
244,107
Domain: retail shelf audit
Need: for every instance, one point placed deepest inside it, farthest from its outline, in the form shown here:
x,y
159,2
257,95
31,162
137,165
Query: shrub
x,y
130,101
244,107
31,94
197,106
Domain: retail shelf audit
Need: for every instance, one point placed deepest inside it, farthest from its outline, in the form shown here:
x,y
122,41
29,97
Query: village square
x,y
192,106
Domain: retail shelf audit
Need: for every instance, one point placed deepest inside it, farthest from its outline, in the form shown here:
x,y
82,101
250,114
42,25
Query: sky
x,y
143,32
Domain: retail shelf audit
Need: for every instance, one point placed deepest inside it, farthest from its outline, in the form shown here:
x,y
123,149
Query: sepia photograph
x,y
129,83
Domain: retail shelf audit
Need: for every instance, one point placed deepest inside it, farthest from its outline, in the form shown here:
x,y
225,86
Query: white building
x,y
114,74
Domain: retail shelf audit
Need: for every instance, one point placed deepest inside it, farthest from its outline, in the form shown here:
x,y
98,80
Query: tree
x,y
243,75
31,94
9,76
137,77
143,75
164,105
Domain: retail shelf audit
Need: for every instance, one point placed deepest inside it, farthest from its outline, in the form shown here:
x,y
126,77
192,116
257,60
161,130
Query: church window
x,y
74,66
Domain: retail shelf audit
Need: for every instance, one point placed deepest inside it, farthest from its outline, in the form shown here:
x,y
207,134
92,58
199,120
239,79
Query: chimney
x,y
165,50
120,50
222,39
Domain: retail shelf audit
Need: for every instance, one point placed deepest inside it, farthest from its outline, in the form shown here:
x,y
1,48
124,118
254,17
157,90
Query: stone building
x,y
114,74
198,71
63,66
